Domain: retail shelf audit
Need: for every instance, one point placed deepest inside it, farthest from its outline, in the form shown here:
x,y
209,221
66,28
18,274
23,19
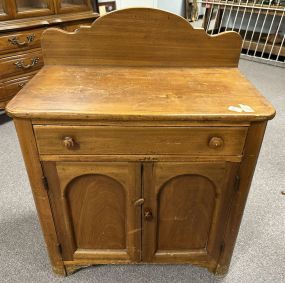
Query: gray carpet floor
x,y
259,255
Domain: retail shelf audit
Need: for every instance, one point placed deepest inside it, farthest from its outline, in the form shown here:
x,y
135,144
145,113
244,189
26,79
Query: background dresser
x,y
22,23
140,138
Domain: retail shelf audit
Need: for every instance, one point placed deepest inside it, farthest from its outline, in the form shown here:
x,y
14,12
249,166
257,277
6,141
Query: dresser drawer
x,y
140,140
21,63
9,88
18,41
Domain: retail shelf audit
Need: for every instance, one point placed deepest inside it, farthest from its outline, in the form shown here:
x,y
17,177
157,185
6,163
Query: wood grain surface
x,y
139,93
189,201
143,158
94,211
141,37
140,140
6,40
41,198
10,86
8,64
186,205
97,209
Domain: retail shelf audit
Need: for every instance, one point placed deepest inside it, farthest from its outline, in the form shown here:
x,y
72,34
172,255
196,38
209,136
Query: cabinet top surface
x,y
140,64
139,93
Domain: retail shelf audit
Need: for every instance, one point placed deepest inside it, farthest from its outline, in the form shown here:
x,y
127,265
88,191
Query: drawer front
x,y
18,41
21,63
140,140
10,88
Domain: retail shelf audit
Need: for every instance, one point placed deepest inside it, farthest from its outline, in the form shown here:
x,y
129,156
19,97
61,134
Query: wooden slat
x,y
145,158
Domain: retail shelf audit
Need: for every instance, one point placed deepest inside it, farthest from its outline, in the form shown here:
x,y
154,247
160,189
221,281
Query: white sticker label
x,y
235,109
246,108
241,108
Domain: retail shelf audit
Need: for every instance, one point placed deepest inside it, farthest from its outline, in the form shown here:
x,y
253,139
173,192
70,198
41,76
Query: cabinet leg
x,y
28,145
70,269
59,270
251,151
222,270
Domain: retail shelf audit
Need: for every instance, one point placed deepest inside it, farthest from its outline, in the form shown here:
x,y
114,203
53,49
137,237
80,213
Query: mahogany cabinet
x,y
140,139
22,23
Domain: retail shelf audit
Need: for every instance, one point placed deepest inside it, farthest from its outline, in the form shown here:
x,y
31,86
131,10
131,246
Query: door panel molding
x,y
179,206
82,190
215,177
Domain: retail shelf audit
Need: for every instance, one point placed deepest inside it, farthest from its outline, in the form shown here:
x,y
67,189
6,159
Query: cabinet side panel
x,y
30,154
253,144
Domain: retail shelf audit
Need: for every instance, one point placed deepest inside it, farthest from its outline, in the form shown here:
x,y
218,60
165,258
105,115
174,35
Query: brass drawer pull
x,y
216,142
21,65
68,142
148,214
21,85
15,41
283,193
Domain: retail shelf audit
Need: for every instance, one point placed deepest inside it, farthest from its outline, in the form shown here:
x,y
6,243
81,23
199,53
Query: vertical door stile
x,y
149,217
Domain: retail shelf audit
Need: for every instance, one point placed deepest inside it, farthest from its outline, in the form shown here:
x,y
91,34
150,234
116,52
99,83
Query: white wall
x,y
174,6
121,4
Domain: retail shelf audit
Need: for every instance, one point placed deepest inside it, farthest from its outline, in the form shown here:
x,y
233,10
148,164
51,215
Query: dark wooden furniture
x,y
132,152
22,23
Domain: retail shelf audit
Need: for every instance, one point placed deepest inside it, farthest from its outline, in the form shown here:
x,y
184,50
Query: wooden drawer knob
x,y
68,142
216,142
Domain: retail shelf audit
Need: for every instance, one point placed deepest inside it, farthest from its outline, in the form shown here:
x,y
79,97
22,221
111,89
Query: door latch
x,y
139,202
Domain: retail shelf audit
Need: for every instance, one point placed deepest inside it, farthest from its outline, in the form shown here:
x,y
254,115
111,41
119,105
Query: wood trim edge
x,y
27,142
252,147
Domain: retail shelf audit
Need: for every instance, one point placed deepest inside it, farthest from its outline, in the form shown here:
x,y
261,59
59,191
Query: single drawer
x,y
9,88
21,63
18,41
140,140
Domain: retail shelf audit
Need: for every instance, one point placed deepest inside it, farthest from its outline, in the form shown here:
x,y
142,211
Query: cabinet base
x,y
219,271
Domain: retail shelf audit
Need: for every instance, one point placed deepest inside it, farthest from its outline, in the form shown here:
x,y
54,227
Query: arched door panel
x,y
189,203
95,211
185,209
102,200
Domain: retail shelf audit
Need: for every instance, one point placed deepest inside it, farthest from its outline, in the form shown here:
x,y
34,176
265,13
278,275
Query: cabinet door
x,y
5,10
95,212
31,8
66,6
185,210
